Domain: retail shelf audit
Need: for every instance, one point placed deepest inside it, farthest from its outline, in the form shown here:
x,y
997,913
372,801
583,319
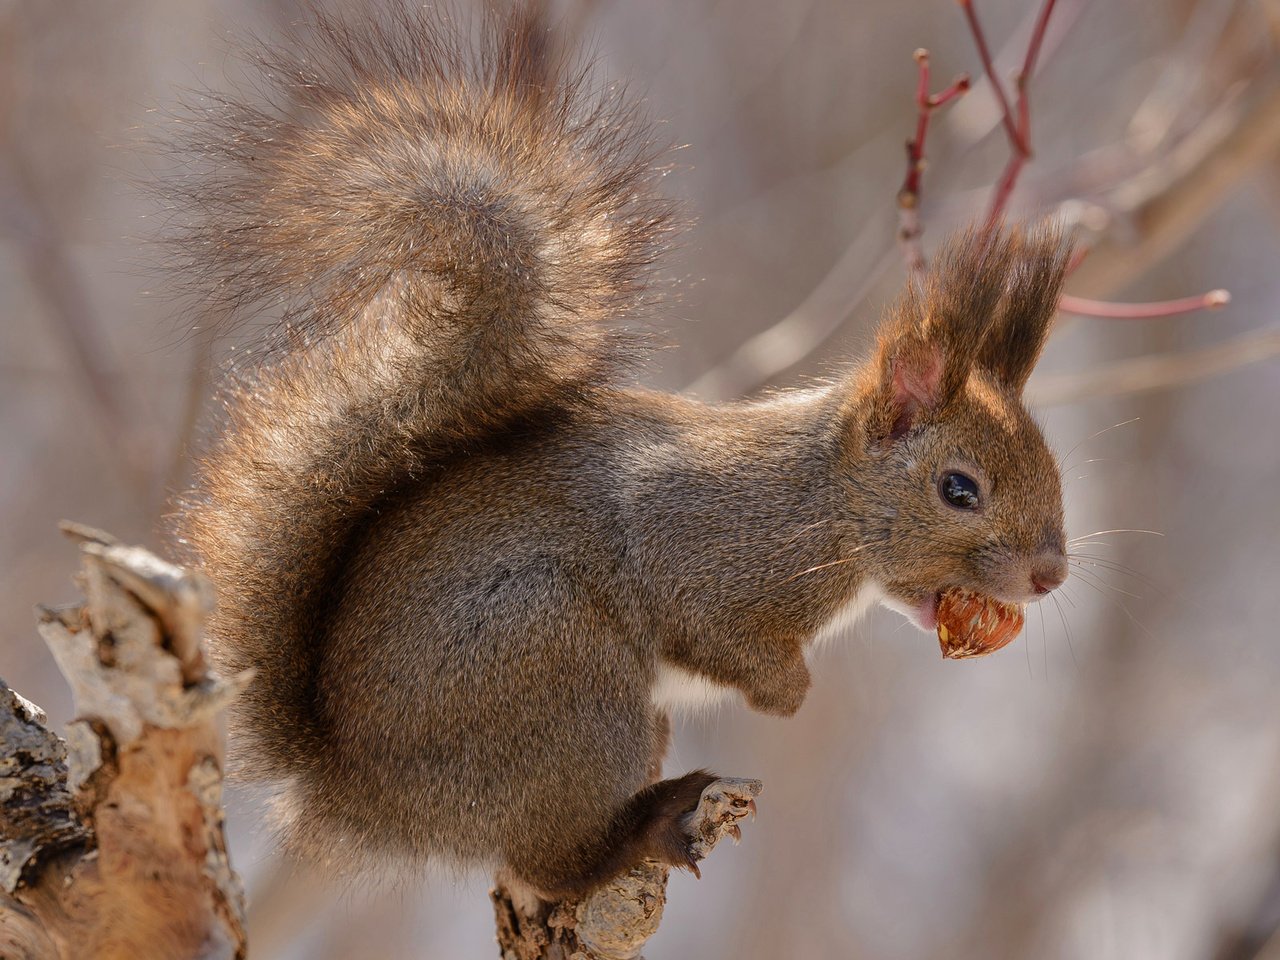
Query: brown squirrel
x,y
471,565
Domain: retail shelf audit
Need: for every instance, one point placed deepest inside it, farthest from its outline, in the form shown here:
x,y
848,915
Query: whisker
x,y
1098,533
806,528
1095,587
821,566
1097,558
1086,575
1044,644
1065,629
1101,564
1115,566
1027,647
1114,426
1127,612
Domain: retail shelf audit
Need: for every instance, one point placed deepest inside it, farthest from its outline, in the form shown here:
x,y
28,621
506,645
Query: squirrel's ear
x,y
1038,266
911,378
932,341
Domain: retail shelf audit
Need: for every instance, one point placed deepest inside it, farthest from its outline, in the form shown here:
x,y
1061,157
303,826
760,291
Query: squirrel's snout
x,y
1048,571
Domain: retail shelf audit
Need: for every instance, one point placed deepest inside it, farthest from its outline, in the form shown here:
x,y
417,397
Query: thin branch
x,y
1028,69
821,316
909,227
988,66
1017,128
1213,300
1004,189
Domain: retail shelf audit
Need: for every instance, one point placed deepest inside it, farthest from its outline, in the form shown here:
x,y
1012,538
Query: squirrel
x,y
471,563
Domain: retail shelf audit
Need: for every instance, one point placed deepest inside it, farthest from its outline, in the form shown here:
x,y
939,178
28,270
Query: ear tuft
x,y
1037,271
933,337
987,303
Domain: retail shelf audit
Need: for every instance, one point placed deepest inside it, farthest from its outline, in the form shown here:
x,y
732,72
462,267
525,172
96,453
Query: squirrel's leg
x,y
655,823
769,671
661,744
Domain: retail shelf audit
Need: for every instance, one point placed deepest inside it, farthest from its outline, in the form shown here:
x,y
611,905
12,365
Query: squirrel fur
x,y
468,560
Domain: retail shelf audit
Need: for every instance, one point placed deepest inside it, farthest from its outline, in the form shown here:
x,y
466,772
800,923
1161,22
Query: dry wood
x,y
111,842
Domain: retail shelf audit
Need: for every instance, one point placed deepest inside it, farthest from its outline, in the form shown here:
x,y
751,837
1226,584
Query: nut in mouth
x,y
973,624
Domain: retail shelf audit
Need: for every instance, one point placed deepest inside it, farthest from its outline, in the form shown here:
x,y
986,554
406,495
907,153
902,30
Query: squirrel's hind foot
x,y
689,815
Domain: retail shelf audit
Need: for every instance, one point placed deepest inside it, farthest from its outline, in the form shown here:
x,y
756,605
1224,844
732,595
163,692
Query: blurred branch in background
x,y
1137,221
824,312
27,224
1132,376
55,277
1156,371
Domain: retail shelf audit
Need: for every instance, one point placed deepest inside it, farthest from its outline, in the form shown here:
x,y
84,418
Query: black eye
x,y
959,491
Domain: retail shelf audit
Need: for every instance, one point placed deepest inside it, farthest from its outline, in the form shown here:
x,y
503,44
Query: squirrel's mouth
x,y
925,614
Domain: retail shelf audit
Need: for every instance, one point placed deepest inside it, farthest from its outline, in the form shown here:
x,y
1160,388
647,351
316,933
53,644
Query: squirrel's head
x,y
952,474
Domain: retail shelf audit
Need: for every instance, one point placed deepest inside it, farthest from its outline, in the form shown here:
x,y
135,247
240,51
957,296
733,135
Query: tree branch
x,y
616,921
1213,300
909,227
111,842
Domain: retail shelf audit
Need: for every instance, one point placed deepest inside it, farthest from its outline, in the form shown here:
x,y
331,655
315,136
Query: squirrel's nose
x,y
1048,572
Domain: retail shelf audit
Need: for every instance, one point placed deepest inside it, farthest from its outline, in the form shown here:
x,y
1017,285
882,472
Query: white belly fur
x,y
675,689
868,595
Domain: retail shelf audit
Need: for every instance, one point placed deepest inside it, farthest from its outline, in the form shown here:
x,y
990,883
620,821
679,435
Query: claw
x,y
736,832
744,805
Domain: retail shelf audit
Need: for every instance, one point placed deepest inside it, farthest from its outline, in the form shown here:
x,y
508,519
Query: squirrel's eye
x,y
959,491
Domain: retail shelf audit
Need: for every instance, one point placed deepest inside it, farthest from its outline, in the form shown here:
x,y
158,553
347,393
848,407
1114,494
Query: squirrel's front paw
x,y
782,692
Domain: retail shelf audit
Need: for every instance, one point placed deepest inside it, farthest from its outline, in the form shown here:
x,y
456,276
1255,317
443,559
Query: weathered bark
x,y
111,842
616,921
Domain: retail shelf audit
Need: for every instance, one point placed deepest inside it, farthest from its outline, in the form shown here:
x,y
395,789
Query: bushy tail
x,y
448,224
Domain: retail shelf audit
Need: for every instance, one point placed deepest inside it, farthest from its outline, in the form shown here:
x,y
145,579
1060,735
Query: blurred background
x,y
1106,787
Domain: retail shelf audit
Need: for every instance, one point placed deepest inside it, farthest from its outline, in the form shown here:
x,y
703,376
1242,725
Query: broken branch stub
x,y
111,843
615,921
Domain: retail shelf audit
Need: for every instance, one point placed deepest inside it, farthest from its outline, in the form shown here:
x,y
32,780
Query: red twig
x,y
1028,68
1004,189
1016,119
1143,311
909,227
989,67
